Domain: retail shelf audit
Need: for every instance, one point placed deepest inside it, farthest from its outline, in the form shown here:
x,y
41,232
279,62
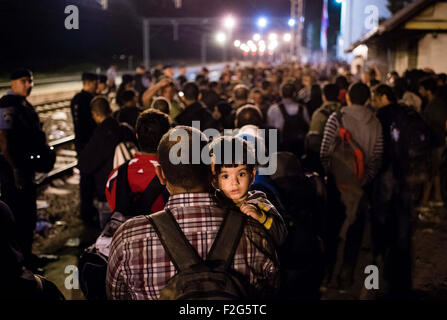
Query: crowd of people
x,y
350,151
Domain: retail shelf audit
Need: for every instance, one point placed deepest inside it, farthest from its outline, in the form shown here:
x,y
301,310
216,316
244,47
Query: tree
x,y
396,5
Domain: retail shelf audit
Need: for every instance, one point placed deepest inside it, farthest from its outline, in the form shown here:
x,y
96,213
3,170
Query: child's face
x,y
234,182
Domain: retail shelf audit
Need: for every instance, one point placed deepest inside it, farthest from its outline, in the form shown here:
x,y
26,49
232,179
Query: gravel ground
x,y
429,246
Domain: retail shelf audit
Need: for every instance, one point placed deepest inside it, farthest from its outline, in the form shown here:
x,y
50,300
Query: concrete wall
x,y
432,52
401,57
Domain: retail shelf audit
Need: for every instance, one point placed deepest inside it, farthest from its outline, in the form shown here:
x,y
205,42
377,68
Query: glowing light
x,y
262,22
273,37
287,37
221,37
237,43
244,47
273,45
229,22
256,37
292,22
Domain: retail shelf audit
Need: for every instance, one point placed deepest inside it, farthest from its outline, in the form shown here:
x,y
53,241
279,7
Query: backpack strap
x,y
228,238
326,113
182,254
122,201
339,116
150,194
284,113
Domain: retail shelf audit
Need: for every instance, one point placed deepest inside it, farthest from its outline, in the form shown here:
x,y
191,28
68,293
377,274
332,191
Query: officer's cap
x,y
88,76
21,73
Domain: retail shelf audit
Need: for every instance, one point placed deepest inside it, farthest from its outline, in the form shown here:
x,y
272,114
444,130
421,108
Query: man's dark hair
x,y
342,82
191,91
256,91
151,126
383,89
214,85
161,104
266,84
88,76
235,144
127,78
204,83
182,80
429,84
374,83
128,96
359,93
102,78
331,92
241,92
442,77
288,90
199,78
249,114
188,175
101,105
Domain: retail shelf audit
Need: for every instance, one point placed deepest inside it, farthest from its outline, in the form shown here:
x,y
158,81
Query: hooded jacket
x,y
364,128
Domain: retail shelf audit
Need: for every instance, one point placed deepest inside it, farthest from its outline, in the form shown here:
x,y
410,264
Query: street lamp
x,y
256,37
237,43
287,37
229,22
262,22
273,37
221,37
292,22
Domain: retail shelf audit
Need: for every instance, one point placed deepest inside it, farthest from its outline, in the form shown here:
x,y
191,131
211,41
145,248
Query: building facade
x,y
358,17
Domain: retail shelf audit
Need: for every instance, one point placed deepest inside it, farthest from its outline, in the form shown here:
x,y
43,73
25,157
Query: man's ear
x,y
160,174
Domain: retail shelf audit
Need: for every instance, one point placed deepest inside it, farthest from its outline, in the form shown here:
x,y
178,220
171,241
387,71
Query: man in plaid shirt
x,y
139,268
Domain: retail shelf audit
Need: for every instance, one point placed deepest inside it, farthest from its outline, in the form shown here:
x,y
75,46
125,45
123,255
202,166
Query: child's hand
x,y
251,211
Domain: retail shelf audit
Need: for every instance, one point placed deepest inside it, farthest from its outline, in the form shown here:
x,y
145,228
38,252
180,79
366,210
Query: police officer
x,y
84,125
24,151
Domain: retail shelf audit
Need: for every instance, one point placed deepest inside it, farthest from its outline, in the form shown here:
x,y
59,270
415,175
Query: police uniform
x,y
82,119
29,153
84,126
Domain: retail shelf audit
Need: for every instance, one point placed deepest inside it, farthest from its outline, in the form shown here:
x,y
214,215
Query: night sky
x,y
33,34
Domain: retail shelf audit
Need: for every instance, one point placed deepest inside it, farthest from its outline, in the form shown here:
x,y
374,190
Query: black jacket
x,y
84,125
97,156
197,112
27,143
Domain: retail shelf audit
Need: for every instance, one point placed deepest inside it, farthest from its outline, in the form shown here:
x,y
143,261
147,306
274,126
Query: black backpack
x,y
198,279
294,130
411,142
92,263
126,203
302,254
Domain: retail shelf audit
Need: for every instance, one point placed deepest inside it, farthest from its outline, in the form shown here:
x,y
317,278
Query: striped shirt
x,y
139,268
373,131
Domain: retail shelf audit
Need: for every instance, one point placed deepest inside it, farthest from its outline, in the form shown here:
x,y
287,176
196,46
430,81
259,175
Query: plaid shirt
x,y
139,267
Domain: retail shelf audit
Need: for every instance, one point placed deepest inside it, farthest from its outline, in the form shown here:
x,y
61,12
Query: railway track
x,y
57,123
